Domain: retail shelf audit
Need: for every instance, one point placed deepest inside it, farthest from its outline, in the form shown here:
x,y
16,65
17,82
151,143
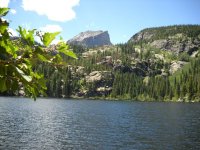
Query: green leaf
x,y
71,54
68,53
37,76
11,84
3,11
57,59
3,87
63,48
21,31
42,58
39,49
22,74
28,36
3,26
47,38
61,38
2,70
4,49
11,49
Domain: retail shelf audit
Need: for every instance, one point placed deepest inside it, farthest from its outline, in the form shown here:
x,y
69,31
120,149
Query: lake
x,y
85,124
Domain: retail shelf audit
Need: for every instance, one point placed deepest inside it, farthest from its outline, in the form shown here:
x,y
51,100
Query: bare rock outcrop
x,y
91,39
176,65
185,38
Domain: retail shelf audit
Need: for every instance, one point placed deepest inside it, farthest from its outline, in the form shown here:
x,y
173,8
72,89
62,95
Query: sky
x,y
121,18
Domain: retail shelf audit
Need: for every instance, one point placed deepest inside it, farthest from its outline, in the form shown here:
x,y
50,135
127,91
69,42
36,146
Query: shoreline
x,y
105,99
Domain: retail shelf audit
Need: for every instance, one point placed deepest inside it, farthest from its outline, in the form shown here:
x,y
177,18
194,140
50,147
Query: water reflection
x,y
84,124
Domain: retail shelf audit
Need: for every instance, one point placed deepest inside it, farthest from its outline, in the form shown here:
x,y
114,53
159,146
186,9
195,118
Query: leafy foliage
x,y
18,58
47,38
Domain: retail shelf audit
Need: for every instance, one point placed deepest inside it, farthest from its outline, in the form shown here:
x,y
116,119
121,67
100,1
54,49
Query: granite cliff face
x,y
91,39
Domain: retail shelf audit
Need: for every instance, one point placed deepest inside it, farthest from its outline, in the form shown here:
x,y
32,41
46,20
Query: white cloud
x,y
4,3
4,19
56,10
51,28
37,39
13,11
13,32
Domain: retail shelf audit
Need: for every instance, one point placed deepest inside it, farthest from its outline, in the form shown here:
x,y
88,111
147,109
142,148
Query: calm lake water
x,y
85,124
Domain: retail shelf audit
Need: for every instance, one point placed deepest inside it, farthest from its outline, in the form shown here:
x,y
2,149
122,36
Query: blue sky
x,y
121,18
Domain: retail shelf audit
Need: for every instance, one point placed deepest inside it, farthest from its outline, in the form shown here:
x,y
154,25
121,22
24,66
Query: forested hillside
x,y
156,64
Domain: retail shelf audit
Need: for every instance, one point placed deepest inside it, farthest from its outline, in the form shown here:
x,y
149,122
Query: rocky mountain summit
x,y
91,39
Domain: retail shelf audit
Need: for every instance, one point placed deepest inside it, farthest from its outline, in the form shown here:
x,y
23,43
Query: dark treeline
x,y
184,85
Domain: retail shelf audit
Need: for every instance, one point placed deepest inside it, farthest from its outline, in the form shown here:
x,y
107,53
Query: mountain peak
x,y
91,39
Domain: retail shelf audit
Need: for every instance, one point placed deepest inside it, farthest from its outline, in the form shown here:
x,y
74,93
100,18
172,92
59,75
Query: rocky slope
x,y
172,38
151,53
91,39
